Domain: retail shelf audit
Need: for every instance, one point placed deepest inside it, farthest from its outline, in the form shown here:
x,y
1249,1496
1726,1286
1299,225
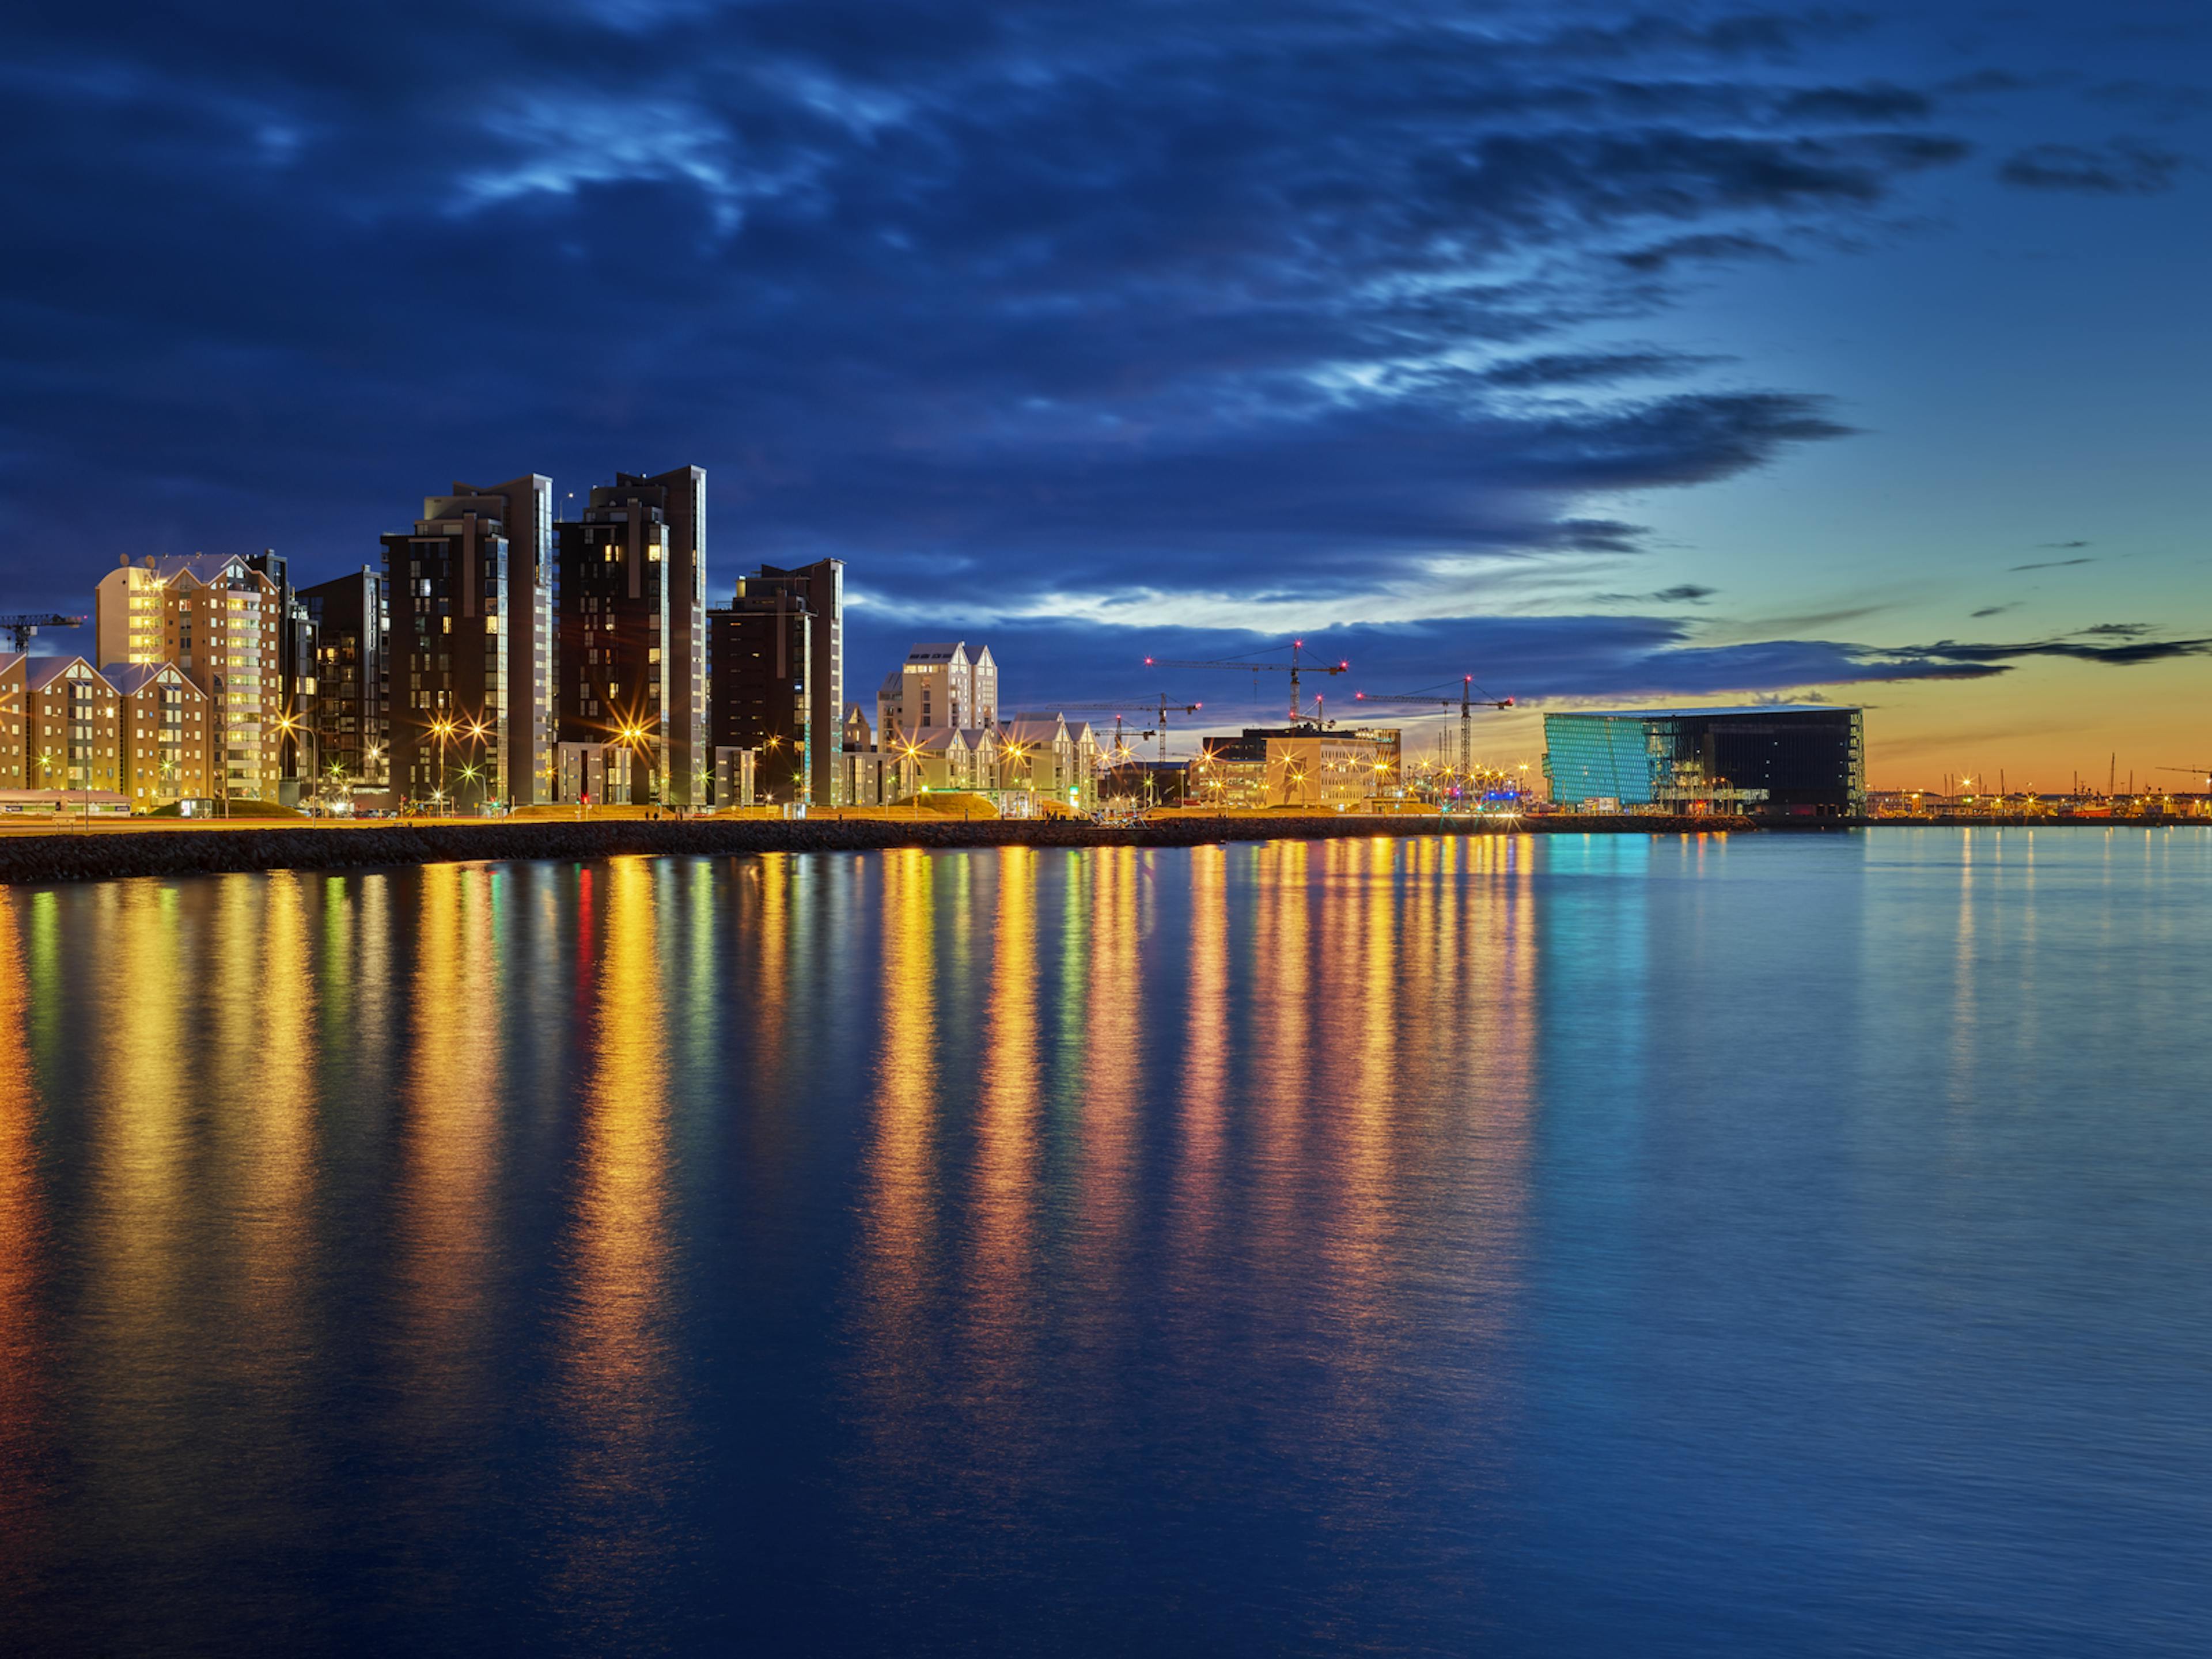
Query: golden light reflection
x,y
22,1240
1283,953
1107,1127
449,1149
270,1133
1006,1126
144,1350
1205,1063
770,875
899,1271
615,1341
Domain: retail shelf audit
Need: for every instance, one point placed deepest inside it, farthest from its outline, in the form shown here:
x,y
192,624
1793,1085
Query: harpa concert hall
x,y
1794,760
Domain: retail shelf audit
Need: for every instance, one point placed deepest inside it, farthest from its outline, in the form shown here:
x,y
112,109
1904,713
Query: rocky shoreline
x,y
109,854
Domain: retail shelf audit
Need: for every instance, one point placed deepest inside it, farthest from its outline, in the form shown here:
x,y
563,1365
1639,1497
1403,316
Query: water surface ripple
x,y
1759,1244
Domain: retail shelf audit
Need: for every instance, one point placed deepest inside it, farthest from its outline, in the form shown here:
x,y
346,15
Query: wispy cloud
x,y
2122,168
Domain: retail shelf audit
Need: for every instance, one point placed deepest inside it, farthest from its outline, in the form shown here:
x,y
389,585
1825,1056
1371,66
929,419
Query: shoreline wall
x,y
98,854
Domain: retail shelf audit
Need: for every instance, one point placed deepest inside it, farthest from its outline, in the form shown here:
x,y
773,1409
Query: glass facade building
x,y
1790,759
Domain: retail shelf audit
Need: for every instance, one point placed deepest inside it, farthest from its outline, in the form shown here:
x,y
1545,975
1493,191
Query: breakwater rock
x,y
106,853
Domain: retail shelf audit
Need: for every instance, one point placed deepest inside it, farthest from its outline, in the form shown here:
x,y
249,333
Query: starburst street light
x,y
911,752
441,728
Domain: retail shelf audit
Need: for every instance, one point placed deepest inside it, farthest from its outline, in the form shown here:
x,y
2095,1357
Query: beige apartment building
x,y
71,716
1052,758
217,619
13,709
938,685
164,735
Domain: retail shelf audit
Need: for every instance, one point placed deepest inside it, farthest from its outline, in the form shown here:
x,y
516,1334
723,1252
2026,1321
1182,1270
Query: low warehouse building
x,y
1774,760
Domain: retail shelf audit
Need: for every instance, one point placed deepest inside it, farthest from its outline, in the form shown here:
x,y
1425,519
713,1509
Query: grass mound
x,y
952,803
239,809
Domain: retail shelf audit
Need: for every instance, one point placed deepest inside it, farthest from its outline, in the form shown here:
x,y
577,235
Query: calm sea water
x,y
1765,1245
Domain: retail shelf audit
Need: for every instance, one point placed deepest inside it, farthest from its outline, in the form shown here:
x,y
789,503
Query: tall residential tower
x,y
632,606
821,588
446,587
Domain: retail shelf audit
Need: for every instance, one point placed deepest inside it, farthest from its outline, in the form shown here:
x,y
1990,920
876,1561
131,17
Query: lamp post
x,y
442,729
631,735
290,725
911,751
478,728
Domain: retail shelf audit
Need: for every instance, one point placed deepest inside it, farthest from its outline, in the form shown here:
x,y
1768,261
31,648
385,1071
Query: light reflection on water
x,y
1422,1244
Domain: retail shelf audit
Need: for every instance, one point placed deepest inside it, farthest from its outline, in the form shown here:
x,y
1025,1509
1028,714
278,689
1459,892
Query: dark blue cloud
x,y
1532,659
1015,301
2117,168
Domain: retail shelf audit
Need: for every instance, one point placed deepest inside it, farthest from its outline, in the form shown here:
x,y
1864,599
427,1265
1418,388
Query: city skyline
x,y
1614,359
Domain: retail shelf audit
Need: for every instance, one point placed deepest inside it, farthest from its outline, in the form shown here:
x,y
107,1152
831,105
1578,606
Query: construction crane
x,y
1467,702
18,626
1159,709
1294,667
2203,772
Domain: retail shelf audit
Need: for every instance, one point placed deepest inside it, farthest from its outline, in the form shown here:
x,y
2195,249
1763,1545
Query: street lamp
x,y
477,729
912,752
442,729
631,735
290,725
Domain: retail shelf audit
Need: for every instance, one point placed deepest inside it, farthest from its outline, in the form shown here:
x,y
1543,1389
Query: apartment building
x,y
820,586
631,608
446,591
219,621
13,710
760,651
939,685
72,718
163,730
523,506
295,675
351,619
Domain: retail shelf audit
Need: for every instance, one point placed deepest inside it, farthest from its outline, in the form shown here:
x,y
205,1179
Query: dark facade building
x,y
349,616
523,506
759,651
615,569
631,657
821,586
295,674
1144,783
1778,760
446,593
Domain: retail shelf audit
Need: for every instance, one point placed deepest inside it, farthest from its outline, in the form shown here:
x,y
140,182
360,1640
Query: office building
x,y
1305,765
632,651
352,747
162,732
759,651
446,654
821,587
219,620
1784,759
524,507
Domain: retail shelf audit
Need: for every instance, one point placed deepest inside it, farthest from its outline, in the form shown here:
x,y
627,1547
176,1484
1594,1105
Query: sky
x,y
1612,356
